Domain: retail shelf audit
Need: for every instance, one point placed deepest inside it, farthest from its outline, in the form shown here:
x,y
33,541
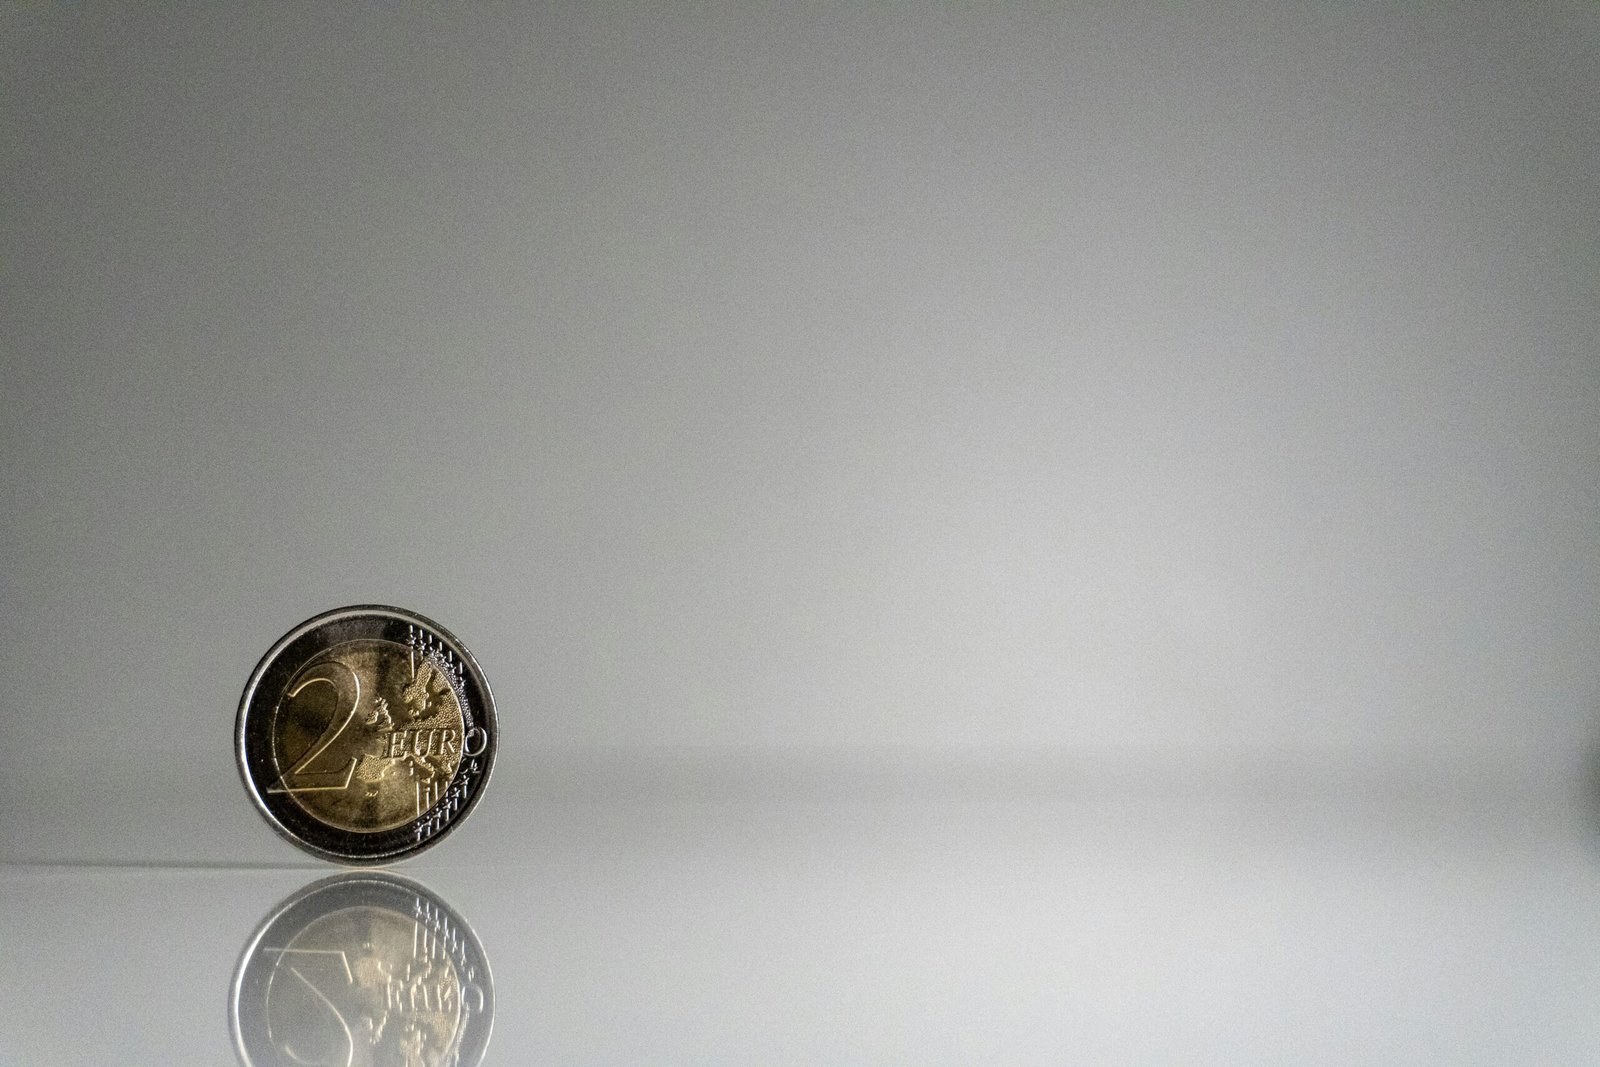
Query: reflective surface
x,y
362,969
724,916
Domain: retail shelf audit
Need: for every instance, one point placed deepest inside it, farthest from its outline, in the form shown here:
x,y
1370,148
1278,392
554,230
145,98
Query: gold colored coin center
x,y
367,735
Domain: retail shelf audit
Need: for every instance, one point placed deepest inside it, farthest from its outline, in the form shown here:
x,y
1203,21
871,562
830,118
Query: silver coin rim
x,y
487,713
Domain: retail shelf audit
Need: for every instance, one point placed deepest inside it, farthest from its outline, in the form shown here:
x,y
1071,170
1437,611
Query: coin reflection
x,y
362,969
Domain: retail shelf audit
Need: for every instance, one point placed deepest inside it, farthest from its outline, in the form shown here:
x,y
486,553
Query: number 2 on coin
x,y
300,778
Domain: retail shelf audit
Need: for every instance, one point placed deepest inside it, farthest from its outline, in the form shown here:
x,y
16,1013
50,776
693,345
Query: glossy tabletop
x,y
708,914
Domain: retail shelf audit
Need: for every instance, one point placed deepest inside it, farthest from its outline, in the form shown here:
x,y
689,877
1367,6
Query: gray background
x,y
1005,534
1201,380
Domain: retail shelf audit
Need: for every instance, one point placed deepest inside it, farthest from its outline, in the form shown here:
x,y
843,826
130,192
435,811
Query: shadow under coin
x,y
364,968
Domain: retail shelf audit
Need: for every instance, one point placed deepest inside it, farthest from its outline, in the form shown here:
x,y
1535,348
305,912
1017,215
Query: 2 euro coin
x,y
366,734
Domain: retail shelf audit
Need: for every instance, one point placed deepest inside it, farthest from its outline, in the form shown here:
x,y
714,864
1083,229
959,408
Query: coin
x,y
366,734
362,969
